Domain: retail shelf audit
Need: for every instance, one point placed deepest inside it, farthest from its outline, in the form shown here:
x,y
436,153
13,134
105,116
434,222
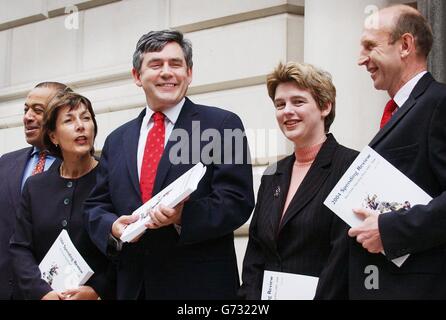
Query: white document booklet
x,y
288,286
372,182
170,196
63,267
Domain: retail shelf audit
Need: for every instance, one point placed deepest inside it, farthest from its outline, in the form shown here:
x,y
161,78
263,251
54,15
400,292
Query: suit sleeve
x,y
26,268
99,213
254,260
333,279
423,226
231,199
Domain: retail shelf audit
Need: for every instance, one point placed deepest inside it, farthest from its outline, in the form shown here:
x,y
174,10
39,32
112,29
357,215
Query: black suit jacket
x,y
414,141
200,263
12,166
311,240
49,204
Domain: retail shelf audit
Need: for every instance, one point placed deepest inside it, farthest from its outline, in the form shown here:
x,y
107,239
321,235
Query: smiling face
x,y
74,131
382,58
298,115
164,76
35,104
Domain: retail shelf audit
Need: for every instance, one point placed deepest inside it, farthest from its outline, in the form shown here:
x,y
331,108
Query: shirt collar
x,y
171,113
35,151
403,94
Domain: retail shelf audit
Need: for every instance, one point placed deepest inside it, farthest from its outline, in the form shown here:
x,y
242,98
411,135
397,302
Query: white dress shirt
x,y
403,94
147,124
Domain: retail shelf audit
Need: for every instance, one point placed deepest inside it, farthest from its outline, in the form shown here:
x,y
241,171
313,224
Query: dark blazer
x,y
311,240
200,263
414,141
49,204
12,166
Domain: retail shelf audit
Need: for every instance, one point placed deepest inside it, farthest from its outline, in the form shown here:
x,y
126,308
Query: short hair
x,y
413,22
63,98
155,41
307,77
54,85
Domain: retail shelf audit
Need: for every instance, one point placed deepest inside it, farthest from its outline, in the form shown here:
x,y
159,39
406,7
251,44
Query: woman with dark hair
x,y
53,200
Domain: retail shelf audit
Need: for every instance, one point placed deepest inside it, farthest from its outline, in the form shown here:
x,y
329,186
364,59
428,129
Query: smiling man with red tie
x,y
413,139
15,168
188,251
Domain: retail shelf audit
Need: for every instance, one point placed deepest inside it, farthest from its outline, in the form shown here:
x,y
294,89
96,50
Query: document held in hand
x,y
170,196
288,286
63,266
372,182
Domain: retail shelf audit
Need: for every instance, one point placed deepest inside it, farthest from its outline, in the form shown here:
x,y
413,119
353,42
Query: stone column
x,y
434,11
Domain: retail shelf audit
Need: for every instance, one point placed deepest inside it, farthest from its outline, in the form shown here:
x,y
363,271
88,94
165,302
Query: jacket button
x,y
64,223
66,201
69,184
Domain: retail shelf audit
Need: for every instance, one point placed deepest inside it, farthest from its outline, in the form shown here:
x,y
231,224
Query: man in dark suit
x,y
188,251
395,46
15,168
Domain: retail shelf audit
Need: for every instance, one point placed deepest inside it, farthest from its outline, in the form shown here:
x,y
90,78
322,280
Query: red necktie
x,y
40,163
388,111
152,154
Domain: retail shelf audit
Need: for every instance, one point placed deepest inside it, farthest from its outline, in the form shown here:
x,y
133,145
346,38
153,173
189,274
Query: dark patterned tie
x,y
40,163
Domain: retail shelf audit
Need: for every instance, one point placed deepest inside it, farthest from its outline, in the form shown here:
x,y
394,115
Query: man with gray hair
x,y
188,251
15,168
395,45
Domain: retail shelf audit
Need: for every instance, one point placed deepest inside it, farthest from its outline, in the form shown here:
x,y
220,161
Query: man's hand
x,y
367,233
163,216
121,223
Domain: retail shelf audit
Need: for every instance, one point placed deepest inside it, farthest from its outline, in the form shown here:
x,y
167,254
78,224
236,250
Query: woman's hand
x,y
53,295
81,293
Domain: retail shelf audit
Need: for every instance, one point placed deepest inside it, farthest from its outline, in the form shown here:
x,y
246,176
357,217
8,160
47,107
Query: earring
x,y
57,146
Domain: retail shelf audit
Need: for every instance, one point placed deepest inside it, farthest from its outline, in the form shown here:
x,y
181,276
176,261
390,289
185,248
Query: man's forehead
x,y
164,55
374,34
40,95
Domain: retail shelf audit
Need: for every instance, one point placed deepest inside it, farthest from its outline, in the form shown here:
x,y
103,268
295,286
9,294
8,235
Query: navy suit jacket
x,y
310,240
12,166
414,141
199,263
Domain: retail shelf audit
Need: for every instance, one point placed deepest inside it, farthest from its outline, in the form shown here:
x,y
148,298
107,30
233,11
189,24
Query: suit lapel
x,y
16,175
187,115
130,145
279,189
419,89
313,180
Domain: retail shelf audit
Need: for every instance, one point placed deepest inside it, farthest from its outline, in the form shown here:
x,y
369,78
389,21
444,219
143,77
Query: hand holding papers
x,y
63,267
372,182
170,196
